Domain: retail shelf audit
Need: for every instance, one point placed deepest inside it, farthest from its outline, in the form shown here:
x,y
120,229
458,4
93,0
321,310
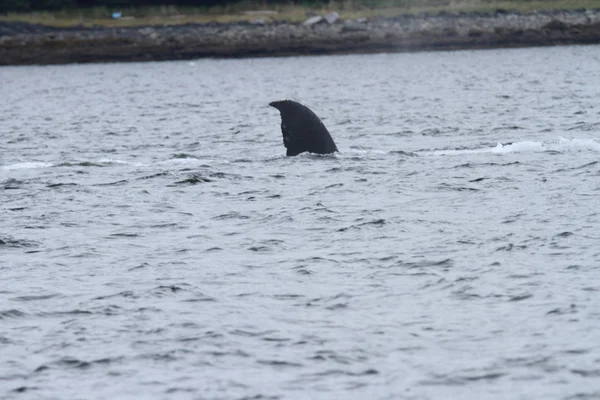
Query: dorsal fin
x,y
302,130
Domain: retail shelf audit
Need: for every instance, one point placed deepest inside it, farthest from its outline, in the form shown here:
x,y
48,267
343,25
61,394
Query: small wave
x,y
12,313
123,234
193,180
446,263
39,164
528,146
279,363
76,312
112,183
105,162
36,297
340,372
359,150
156,175
72,362
27,165
55,185
23,389
187,161
457,188
403,153
231,215
183,156
377,222
17,243
448,380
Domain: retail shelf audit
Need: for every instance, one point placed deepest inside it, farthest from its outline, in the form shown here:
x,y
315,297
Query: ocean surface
x,y
157,243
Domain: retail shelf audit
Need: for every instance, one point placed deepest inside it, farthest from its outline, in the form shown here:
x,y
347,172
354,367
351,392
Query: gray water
x,y
156,242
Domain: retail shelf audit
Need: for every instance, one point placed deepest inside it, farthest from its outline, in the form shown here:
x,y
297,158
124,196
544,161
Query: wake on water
x,y
560,145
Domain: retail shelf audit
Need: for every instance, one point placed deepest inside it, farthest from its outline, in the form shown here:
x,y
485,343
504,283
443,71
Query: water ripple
x,y
157,242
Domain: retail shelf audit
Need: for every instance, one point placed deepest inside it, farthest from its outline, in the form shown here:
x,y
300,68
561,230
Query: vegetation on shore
x,y
277,11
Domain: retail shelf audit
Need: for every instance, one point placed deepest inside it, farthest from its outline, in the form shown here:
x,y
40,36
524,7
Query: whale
x,y
302,130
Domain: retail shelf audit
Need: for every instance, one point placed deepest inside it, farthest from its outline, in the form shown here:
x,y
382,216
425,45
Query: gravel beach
x,y
25,44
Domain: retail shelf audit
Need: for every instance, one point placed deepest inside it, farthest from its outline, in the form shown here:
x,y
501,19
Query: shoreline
x,y
31,44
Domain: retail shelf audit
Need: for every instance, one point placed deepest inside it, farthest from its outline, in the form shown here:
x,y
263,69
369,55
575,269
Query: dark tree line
x,y
53,5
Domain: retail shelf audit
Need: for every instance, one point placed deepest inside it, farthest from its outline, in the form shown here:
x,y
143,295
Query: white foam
x,y
367,151
27,165
38,164
191,161
565,144
528,146
111,161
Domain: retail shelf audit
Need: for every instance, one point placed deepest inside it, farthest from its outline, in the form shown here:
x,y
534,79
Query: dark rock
x,y
353,26
555,25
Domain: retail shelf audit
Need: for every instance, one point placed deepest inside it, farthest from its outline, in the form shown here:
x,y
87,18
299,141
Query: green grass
x,y
172,15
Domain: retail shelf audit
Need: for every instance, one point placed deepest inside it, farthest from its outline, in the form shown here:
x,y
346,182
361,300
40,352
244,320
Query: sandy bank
x,y
22,44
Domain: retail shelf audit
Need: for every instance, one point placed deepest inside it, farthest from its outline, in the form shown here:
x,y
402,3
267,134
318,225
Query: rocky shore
x,y
23,44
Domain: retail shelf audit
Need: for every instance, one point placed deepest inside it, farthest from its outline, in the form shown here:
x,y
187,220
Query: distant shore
x,y
22,43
